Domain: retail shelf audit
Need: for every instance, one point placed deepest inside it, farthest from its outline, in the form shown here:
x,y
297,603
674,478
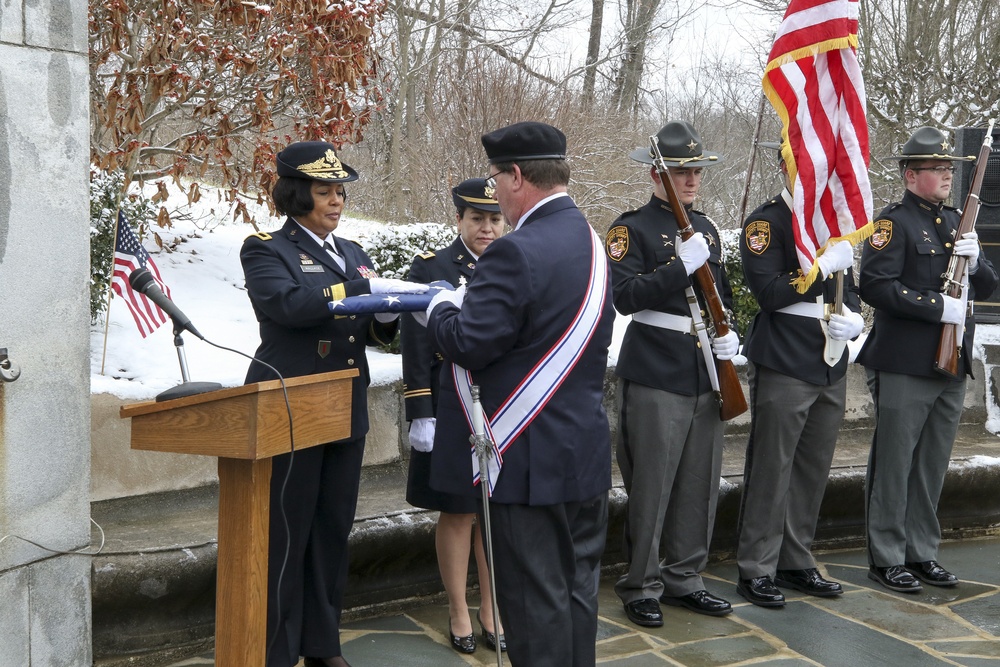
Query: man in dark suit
x,y
292,276
669,446
798,390
534,331
917,409
479,223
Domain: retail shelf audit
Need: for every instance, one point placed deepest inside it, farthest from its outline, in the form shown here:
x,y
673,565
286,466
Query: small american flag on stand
x,y
129,256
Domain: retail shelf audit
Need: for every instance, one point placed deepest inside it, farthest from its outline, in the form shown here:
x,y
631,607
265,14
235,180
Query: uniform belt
x,y
654,318
804,309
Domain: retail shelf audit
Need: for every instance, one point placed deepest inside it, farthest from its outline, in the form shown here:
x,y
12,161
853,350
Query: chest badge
x,y
367,273
667,240
616,242
758,236
323,349
462,281
882,235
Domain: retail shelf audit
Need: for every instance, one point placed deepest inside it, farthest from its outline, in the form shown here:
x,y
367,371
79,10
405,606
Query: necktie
x,y
336,255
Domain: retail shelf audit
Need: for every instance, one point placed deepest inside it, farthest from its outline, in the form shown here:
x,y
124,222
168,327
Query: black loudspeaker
x,y
969,141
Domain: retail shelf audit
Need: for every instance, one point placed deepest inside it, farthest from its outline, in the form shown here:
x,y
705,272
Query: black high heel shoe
x,y
491,638
466,644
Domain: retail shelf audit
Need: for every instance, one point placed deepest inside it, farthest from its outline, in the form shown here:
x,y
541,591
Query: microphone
x,y
142,280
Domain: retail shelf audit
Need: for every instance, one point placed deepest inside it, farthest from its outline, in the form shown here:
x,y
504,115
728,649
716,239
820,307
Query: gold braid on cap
x,y
328,166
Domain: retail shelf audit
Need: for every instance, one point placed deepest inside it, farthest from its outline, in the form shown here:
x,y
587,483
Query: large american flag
x,y
813,80
129,256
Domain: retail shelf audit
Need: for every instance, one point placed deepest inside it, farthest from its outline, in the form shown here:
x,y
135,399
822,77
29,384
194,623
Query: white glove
x,y
693,252
456,296
954,310
846,326
393,286
422,433
968,246
835,258
726,347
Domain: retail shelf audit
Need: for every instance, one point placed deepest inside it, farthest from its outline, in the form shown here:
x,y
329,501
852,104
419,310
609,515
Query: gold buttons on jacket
x,y
350,339
350,362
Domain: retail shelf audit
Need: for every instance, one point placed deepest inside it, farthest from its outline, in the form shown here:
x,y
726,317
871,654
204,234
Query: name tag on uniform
x,y
311,268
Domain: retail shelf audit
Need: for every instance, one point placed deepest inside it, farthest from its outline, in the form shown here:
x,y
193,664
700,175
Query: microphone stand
x,y
186,387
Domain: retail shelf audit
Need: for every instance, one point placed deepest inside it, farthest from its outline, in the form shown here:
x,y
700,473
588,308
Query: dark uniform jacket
x,y
527,289
901,270
648,275
421,363
290,281
790,344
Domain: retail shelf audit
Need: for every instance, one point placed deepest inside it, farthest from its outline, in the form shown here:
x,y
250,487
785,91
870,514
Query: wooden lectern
x,y
244,427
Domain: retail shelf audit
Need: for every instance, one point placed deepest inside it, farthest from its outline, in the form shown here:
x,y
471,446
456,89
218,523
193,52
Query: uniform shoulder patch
x,y
616,242
882,233
425,255
758,236
263,236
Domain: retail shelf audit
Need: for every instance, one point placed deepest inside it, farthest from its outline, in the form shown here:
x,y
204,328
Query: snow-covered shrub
x,y
392,248
744,304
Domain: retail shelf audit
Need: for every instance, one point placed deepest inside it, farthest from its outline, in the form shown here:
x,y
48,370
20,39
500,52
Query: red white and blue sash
x,y
530,396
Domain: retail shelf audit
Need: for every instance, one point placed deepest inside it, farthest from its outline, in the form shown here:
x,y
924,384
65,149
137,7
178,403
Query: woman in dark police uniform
x,y
292,275
479,223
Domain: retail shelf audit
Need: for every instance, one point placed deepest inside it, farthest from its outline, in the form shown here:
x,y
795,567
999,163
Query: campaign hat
x,y
474,193
680,145
314,160
929,143
527,140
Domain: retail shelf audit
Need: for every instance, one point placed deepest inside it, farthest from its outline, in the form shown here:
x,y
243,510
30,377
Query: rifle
x,y
950,342
729,392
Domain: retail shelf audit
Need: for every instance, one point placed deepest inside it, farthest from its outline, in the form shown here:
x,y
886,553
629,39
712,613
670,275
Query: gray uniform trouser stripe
x,y
669,451
792,439
916,423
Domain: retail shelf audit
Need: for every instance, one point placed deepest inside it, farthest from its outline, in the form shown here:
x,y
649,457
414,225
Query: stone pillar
x,y
44,324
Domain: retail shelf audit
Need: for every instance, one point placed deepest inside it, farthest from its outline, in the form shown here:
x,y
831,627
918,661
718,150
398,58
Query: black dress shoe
x,y
808,581
931,572
466,644
645,612
701,602
336,661
490,638
761,591
895,578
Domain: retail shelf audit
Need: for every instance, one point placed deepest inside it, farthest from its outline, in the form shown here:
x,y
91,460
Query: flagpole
x,y
750,162
111,277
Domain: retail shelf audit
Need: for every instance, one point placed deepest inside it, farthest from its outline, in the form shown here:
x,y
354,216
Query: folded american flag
x,y
388,303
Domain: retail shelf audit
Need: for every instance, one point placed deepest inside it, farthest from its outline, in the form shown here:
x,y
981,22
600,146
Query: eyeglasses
x,y
491,180
939,170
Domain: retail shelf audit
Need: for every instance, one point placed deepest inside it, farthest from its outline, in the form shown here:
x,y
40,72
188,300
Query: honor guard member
x,y
292,276
797,402
533,332
669,446
479,224
917,409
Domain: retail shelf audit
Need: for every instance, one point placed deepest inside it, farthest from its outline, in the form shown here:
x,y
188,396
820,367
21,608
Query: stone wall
x,y
44,322
119,472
